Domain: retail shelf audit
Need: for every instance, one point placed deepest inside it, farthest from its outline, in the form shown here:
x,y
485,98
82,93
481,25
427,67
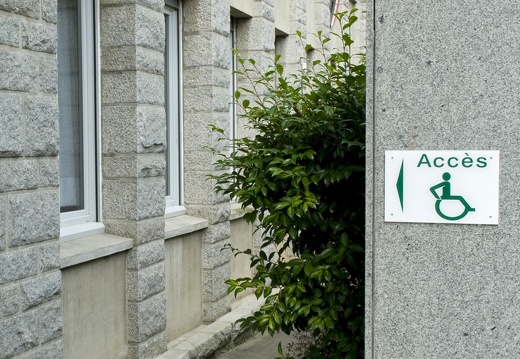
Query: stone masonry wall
x,y
206,58
30,280
133,137
290,47
358,30
255,40
133,143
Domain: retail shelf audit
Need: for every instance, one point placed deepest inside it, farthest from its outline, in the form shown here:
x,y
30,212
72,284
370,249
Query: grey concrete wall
x,y
241,239
443,76
30,280
94,309
184,285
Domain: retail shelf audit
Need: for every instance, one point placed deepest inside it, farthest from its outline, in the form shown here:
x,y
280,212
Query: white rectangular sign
x,y
459,187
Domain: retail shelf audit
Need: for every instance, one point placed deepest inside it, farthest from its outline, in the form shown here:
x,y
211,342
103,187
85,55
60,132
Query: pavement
x,y
258,347
223,339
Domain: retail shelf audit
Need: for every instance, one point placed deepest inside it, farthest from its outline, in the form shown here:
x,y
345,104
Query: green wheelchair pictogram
x,y
446,195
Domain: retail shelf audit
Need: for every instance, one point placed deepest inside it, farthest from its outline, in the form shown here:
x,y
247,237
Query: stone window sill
x,y
77,251
86,249
237,211
180,225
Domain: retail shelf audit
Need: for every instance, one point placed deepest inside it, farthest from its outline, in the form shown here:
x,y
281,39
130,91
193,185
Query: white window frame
x,y
334,8
233,113
233,82
83,222
173,108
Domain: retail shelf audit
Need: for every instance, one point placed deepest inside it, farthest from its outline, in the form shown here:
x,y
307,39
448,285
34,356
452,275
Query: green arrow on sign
x,y
400,185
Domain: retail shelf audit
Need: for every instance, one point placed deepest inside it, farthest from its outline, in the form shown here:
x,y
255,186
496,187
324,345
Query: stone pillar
x,y
318,19
443,76
206,101
134,135
30,279
255,40
290,47
358,30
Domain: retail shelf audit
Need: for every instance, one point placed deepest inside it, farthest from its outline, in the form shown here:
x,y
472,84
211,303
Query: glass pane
x,y
69,97
171,86
232,109
167,21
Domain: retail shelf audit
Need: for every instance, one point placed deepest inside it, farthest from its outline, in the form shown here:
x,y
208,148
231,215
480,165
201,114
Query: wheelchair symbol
x,y
446,196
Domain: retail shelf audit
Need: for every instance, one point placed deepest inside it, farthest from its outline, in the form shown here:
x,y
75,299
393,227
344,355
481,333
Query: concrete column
x,y
443,76
30,280
206,61
134,135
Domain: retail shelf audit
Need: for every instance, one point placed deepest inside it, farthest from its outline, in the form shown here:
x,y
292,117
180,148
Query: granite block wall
x,y
206,101
442,76
132,142
30,279
134,136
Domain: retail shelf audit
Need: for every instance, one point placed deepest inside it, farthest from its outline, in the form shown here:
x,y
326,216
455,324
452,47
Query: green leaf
x,y
300,176
290,212
308,269
258,292
279,69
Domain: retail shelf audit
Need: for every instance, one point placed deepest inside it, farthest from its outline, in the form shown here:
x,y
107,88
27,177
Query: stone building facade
x,y
111,235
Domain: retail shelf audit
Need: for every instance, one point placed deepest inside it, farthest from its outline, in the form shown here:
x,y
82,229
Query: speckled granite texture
x,y
443,76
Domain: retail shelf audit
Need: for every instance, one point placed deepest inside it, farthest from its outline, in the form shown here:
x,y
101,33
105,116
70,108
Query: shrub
x,y
302,178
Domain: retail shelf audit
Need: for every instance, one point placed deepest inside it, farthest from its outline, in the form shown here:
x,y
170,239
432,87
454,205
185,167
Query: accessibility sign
x,y
459,187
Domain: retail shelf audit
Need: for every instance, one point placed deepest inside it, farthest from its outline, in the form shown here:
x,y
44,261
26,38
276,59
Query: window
x,y
173,106
233,87
233,115
334,9
77,118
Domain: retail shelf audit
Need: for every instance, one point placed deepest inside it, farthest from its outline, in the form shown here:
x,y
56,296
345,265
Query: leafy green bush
x,y
302,177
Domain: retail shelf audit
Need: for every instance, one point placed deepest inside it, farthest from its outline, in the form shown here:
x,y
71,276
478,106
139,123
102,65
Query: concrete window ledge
x,y
180,225
237,211
85,249
206,340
